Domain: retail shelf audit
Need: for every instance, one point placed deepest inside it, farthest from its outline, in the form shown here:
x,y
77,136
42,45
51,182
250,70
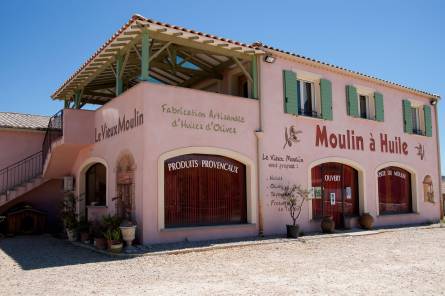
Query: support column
x,y
77,98
119,82
67,104
254,77
145,56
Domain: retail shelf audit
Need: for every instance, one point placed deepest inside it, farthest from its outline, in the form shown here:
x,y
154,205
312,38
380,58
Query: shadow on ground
x,y
44,251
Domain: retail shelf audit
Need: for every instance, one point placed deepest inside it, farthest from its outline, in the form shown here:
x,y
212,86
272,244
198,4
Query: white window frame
x,y
370,101
313,78
420,116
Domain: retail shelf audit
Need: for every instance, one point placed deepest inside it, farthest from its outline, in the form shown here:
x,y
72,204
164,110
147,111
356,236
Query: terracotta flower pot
x,y
115,246
366,221
100,243
327,225
293,231
84,237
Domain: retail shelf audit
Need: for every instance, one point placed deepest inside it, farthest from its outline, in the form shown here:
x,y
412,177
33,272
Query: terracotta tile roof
x,y
138,20
263,46
23,121
255,48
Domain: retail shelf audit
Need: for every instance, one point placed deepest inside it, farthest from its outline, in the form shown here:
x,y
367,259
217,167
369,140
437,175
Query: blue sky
x,y
44,42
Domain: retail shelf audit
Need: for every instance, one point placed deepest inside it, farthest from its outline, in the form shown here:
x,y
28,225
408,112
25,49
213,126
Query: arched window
x,y
96,185
394,191
203,189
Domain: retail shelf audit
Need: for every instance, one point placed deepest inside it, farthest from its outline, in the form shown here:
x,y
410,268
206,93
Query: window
x,y
366,106
417,121
363,106
96,185
309,105
394,185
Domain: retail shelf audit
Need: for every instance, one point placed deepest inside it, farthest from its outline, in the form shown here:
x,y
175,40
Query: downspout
x,y
259,134
441,201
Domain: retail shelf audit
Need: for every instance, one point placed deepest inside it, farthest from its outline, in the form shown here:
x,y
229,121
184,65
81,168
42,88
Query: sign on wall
x,y
209,120
122,124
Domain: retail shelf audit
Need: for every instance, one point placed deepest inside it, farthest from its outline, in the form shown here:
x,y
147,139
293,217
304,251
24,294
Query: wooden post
x,y
145,56
77,98
119,82
254,77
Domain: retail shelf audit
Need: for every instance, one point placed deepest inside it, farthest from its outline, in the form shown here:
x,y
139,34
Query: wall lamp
x,y
433,102
269,59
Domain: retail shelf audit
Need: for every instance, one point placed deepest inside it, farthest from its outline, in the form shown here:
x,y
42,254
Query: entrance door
x,y
332,192
336,187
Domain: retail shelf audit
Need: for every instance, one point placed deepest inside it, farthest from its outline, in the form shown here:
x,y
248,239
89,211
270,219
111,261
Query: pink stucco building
x,y
199,133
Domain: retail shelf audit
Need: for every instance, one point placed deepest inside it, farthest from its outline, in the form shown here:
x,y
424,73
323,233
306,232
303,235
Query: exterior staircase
x,y
27,174
21,189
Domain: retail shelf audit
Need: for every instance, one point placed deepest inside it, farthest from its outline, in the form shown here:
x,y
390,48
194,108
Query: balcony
x,y
68,132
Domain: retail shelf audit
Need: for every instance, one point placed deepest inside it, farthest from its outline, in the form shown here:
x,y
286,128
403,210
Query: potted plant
x,y
112,232
97,231
293,197
366,221
83,229
327,224
113,237
127,226
69,215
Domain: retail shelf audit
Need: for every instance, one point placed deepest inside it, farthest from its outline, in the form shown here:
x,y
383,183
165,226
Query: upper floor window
x,y
417,119
364,103
307,94
308,98
366,106
418,126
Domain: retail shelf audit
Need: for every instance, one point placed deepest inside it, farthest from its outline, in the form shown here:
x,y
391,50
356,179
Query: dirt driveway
x,y
408,262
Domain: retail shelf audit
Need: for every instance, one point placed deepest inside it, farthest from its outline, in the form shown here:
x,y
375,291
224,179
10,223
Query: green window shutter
x,y
379,111
407,117
352,101
428,125
326,99
290,92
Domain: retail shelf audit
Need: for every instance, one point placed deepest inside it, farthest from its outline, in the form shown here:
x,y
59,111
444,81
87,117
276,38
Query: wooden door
x,y
338,186
202,189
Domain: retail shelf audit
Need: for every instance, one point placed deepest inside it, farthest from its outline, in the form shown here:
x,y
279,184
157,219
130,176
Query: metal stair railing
x,y
53,133
20,172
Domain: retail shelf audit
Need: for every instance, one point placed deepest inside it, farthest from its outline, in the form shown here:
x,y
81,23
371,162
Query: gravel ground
x,y
408,262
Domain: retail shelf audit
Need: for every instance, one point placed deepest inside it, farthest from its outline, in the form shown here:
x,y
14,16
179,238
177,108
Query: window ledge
x,y
398,214
194,228
308,116
95,207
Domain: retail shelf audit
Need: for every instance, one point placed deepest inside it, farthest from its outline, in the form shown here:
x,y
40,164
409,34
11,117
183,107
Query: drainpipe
x,y
259,134
438,160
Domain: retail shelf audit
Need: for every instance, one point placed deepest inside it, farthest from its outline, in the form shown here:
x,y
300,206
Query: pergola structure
x,y
146,50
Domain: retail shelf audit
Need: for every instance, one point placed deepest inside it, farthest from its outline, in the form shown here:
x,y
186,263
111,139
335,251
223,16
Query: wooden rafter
x,y
247,74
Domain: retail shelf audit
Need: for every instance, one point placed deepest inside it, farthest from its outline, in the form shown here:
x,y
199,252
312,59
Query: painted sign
x,y
291,136
202,163
209,120
332,178
123,124
420,150
391,172
352,141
